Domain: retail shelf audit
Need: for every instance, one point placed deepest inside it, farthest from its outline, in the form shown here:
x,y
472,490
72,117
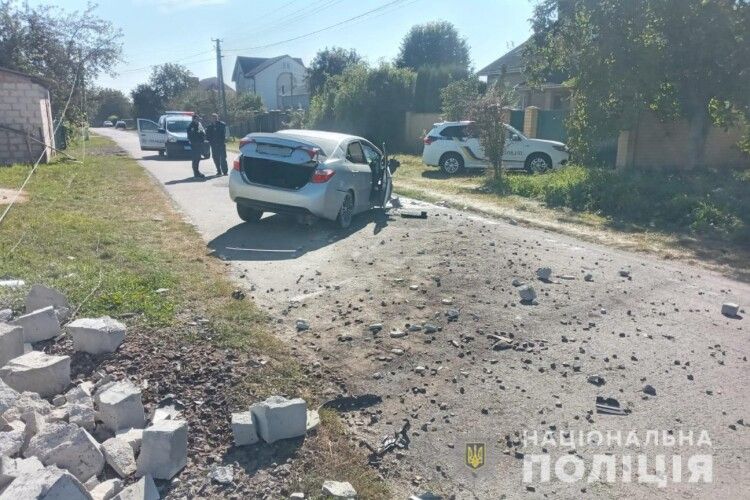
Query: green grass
x,y
105,235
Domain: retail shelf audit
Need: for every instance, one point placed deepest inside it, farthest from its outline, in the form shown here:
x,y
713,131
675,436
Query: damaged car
x,y
307,173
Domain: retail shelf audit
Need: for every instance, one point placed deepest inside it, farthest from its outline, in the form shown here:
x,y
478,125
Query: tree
x,y
458,97
431,80
169,80
105,103
64,48
328,63
146,102
240,107
489,114
433,44
679,59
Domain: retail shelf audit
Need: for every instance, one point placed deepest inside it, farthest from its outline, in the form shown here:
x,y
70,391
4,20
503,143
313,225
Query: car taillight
x,y
244,141
429,140
236,164
321,176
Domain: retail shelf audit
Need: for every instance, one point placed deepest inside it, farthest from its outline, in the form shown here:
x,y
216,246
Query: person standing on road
x,y
197,136
216,133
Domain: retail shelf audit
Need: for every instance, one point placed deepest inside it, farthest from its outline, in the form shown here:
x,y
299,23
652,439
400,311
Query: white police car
x,y
453,146
169,135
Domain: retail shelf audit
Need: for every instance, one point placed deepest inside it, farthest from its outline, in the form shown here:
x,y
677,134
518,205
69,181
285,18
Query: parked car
x,y
308,172
169,135
107,123
453,146
121,124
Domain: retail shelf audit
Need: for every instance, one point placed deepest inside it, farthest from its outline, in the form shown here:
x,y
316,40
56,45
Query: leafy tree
x,y
65,48
433,44
431,80
146,102
490,115
681,59
458,97
205,102
105,103
328,63
169,80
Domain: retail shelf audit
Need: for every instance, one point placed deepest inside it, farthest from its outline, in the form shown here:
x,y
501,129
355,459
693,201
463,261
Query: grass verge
x,y
106,236
701,217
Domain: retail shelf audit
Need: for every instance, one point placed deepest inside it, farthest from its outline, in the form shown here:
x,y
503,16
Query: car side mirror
x,y
516,138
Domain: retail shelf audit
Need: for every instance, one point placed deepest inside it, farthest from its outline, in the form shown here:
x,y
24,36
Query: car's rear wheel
x,y
537,163
346,212
249,214
451,163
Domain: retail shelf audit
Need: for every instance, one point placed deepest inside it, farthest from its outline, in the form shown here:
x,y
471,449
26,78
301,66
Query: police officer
x,y
197,136
216,134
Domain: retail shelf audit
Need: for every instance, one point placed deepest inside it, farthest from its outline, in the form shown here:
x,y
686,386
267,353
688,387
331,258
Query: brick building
x,y
26,128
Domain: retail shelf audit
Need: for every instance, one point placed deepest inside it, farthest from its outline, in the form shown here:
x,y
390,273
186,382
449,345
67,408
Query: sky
x,y
159,31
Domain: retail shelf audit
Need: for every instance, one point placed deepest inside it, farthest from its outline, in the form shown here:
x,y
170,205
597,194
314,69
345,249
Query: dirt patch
x,y
7,195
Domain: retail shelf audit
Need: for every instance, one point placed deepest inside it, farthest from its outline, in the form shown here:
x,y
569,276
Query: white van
x,y
169,135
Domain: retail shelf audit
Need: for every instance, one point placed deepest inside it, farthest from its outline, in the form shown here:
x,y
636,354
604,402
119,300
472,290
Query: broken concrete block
x,y
96,335
133,437
730,309
38,325
38,372
163,449
11,468
34,425
119,455
40,297
244,429
11,442
81,408
8,397
527,293
144,489
280,418
106,489
544,273
26,402
121,407
11,342
50,483
69,447
338,489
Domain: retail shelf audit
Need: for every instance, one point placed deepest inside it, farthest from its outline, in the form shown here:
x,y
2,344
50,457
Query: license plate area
x,y
274,149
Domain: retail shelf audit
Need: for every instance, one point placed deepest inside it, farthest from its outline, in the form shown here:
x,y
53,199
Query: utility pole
x,y
220,77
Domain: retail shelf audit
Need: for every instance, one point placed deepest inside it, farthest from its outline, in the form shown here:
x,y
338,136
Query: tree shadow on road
x,y
280,237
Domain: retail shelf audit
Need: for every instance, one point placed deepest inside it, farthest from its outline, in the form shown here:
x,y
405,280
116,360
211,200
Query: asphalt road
x,y
453,272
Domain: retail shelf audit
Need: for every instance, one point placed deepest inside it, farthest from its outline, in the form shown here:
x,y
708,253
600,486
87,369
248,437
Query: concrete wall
x,y
653,144
416,127
24,106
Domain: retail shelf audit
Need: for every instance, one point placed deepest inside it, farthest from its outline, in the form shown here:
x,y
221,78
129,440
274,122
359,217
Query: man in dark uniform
x,y
197,136
216,134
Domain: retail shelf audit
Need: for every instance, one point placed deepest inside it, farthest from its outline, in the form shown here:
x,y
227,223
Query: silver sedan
x,y
308,172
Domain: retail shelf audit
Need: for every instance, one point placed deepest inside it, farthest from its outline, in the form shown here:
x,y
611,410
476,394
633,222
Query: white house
x,y
279,81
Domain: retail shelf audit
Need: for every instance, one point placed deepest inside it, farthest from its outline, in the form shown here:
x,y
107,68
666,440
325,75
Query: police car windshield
x,y
178,125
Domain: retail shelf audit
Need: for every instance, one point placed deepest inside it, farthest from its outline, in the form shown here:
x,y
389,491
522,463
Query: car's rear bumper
x,y
321,200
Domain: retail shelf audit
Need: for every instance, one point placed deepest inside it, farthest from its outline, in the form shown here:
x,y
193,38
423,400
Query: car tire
x,y
451,164
346,212
248,214
538,163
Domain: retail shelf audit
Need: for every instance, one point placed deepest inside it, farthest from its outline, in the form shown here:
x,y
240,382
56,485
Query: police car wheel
x,y
451,163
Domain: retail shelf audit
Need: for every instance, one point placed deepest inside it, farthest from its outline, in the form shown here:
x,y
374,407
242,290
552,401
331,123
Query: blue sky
x,y
158,31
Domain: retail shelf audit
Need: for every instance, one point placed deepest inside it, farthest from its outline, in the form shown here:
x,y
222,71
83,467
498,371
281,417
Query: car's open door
x,y
149,135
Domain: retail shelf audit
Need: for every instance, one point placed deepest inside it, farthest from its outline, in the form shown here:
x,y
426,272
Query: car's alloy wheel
x,y
451,164
538,164
346,212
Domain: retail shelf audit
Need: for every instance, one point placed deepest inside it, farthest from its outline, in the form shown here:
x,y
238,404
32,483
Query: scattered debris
x,y
38,372
730,309
588,277
243,429
222,474
163,449
414,215
39,325
96,335
12,283
527,294
121,407
302,325
40,297
609,406
338,489
280,418
648,389
544,273
238,294
11,342
596,380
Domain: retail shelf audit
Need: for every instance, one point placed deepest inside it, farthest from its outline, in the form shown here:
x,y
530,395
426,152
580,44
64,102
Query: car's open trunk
x,y
277,173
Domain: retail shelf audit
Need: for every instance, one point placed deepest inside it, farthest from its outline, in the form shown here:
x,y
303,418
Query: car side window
x,y
354,153
456,131
371,154
148,125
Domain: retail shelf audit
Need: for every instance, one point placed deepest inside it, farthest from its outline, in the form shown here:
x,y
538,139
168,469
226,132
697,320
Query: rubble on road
x,y
527,294
69,447
37,372
48,483
11,342
730,309
163,449
41,296
338,489
38,325
280,418
544,273
96,335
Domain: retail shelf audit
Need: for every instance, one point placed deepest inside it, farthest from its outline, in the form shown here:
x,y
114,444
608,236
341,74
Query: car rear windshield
x,y
178,125
454,131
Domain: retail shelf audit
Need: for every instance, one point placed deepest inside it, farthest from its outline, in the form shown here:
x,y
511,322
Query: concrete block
x,y
11,442
96,335
11,342
164,449
106,489
133,437
119,455
280,418
8,397
144,489
730,309
40,297
34,423
338,489
121,407
244,429
39,325
50,483
38,372
27,402
80,406
69,447
11,468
